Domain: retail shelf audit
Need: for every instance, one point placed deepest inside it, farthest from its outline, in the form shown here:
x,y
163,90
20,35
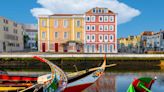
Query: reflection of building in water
x,y
106,83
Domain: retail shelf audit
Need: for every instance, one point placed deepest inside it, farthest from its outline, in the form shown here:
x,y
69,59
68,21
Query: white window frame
x,y
105,40
110,27
77,35
65,23
43,23
101,40
111,40
106,17
93,40
102,18
94,9
111,18
88,39
87,18
43,35
55,23
66,33
100,27
94,26
88,26
105,26
93,49
105,10
93,18
100,10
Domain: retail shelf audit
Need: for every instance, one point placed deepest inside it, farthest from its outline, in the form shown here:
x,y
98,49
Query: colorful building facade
x,y
101,31
78,32
61,33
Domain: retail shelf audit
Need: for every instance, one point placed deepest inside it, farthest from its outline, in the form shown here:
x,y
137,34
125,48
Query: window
x,y
101,27
5,21
106,48
93,18
111,38
105,18
43,35
15,24
100,18
93,38
78,23
100,38
78,35
56,23
15,31
111,27
93,48
105,10
111,48
44,23
93,27
56,35
100,11
65,35
94,10
106,38
105,27
88,48
111,18
88,19
6,28
88,27
65,23
88,37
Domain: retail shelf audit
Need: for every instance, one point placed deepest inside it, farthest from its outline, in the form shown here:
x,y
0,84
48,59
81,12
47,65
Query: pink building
x,y
101,31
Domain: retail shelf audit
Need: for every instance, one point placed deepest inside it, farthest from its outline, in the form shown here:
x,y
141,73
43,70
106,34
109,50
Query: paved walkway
x,y
76,55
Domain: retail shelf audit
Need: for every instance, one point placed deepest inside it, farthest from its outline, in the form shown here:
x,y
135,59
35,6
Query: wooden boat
x,y
141,85
59,81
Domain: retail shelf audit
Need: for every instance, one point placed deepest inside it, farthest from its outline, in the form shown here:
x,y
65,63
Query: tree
x,y
25,38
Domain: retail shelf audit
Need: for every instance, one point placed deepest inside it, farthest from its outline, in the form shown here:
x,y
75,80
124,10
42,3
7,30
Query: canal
x,y
119,82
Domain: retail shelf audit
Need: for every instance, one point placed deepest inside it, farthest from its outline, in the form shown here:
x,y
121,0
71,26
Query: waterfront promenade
x,y
22,55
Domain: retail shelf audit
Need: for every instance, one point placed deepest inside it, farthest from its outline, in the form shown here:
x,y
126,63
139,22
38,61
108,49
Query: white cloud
x,y
125,12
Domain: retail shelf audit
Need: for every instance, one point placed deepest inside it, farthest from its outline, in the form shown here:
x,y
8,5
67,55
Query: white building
x,y
156,42
11,36
32,32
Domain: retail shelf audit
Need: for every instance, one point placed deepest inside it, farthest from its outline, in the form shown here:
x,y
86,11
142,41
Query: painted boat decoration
x,y
58,81
141,85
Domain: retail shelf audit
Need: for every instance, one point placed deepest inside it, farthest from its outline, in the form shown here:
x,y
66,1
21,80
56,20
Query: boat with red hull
x,y
76,82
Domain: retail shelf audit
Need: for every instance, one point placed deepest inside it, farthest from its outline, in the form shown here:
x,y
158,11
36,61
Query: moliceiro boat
x,y
57,81
141,85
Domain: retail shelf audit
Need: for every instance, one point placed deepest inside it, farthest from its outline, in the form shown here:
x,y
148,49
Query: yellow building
x,y
61,33
11,36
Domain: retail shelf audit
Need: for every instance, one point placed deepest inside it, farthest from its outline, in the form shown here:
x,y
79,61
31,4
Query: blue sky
x,y
151,15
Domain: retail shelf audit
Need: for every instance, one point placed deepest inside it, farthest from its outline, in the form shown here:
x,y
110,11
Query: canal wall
x,y
69,62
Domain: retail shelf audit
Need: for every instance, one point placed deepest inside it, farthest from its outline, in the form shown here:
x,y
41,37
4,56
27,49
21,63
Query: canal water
x,y
119,82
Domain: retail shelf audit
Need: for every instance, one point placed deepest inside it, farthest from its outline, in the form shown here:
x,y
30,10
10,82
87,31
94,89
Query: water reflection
x,y
119,82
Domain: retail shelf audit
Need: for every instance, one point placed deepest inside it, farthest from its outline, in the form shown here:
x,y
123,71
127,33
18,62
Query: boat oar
x,y
111,65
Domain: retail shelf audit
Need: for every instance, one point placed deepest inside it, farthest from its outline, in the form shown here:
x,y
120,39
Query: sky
x,y
134,16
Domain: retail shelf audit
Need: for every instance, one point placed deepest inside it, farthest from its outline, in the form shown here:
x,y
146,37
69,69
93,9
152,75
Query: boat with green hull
x,y
141,85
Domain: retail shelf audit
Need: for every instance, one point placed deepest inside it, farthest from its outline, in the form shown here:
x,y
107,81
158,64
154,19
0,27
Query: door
x,y
100,48
93,48
56,47
111,48
4,47
88,48
43,47
106,48
65,49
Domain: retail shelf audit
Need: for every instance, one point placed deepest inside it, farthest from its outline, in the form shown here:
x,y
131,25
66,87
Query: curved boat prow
x,y
56,81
